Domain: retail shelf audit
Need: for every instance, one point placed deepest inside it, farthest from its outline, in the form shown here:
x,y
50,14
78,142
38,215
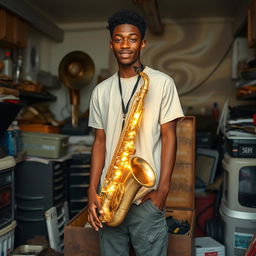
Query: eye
x,y
133,40
117,40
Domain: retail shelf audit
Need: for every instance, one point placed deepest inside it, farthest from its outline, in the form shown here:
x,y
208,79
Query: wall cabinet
x,y
13,30
251,25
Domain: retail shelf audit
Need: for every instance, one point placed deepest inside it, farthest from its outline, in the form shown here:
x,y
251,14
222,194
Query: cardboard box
x,y
84,241
80,240
181,245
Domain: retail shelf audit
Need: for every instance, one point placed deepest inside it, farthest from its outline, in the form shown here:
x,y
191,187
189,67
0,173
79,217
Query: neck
x,y
128,71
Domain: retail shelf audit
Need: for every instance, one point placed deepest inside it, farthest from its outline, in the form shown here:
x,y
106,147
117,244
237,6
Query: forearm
x,y
168,154
97,160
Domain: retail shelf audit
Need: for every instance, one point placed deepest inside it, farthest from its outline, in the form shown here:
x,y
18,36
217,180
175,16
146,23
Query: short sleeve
x,y
170,104
95,119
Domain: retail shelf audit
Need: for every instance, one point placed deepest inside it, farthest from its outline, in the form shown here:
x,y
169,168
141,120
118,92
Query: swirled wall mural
x,y
189,52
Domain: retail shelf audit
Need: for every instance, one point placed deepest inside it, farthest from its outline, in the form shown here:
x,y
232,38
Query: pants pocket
x,y
153,207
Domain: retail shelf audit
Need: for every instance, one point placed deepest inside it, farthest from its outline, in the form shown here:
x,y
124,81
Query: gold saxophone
x,y
126,173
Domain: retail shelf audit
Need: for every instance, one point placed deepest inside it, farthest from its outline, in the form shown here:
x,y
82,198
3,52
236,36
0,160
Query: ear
x,y
143,44
110,44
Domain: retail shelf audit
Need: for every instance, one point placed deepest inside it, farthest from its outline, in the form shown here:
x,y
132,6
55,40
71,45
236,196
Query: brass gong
x,y
76,71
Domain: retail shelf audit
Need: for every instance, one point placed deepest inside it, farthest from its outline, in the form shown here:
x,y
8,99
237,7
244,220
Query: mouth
x,y
125,54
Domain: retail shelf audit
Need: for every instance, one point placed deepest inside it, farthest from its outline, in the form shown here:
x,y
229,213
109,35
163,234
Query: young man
x,y
144,225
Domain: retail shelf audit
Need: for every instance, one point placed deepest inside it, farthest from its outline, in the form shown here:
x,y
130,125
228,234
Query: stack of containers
x,y
238,206
7,222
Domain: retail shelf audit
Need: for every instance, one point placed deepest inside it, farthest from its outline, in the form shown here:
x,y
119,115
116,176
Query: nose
x,y
125,44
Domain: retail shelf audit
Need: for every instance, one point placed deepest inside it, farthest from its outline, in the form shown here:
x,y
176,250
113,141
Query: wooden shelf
x,y
28,95
44,96
247,97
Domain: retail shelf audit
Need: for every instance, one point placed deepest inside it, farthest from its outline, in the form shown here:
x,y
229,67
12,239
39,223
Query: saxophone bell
x,y
142,172
140,175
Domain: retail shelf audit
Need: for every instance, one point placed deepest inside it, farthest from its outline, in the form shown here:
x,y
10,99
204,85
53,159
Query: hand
x,y
158,198
94,207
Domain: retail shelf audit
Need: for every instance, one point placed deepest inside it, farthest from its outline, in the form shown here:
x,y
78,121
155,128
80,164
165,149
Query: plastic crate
x,y
55,226
208,246
48,145
7,239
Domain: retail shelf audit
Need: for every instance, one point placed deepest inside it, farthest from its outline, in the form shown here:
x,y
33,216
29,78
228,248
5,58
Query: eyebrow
x,y
131,34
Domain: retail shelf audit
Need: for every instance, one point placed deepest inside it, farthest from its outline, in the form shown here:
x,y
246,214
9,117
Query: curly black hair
x,y
125,16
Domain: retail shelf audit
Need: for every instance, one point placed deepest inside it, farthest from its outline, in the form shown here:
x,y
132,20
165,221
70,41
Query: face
x,y
126,44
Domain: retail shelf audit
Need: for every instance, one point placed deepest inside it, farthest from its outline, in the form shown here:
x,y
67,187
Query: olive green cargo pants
x,y
144,226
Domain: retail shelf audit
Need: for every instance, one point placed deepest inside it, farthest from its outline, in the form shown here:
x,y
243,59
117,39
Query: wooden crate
x,y
180,202
80,240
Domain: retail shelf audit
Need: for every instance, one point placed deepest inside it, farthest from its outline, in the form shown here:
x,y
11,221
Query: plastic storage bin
x,y
238,232
239,191
7,239
45,145
208,246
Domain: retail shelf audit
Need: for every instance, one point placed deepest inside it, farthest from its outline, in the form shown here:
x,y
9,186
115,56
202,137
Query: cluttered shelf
x,y
25,94
247,97
246,84
37,95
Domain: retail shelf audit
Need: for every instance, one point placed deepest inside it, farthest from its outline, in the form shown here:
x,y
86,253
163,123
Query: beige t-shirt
x,y
161,105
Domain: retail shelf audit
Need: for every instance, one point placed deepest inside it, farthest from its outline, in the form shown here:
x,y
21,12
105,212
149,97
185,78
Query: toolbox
x,y
81,240
47,145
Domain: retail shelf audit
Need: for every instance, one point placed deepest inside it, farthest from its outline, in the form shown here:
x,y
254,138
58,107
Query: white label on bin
x,y
247,150
242,240
47,147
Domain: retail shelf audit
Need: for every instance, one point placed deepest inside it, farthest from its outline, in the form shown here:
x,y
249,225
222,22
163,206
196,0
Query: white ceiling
x,y
72,11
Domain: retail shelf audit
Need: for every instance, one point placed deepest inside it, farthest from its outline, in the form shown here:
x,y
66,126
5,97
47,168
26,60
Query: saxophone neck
x,y
144,76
